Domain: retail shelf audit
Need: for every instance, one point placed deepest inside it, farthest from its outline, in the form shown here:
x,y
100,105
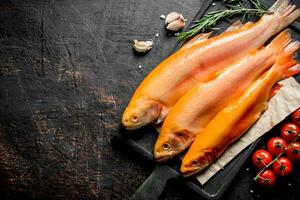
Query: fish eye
x,y
166,146
134,118
195,163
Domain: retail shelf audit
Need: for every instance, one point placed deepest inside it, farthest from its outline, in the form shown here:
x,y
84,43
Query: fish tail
x,y
281,41
287,11
291,71
291,48
286,65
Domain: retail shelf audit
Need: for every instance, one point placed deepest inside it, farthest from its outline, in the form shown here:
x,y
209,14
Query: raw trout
x,y
197,107
236,118
199,62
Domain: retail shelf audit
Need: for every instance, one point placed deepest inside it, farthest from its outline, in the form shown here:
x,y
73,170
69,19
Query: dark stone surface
x,y
67,70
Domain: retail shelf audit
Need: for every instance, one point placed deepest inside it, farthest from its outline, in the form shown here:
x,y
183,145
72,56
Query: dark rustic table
x,y
67,71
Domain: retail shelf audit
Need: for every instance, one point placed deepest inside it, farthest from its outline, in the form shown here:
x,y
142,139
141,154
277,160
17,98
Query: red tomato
x,y
289,131
296,116
267,178
276,145
293,153
282,167
261,158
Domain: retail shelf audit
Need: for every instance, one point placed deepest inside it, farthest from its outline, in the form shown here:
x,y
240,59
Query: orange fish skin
x,y
172,78
198,106
230,123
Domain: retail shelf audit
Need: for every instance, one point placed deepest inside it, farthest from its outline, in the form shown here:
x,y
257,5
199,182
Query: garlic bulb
x,y
175,21
142,46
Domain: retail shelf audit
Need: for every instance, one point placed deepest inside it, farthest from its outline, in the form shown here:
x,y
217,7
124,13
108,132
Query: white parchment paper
x,y
280,106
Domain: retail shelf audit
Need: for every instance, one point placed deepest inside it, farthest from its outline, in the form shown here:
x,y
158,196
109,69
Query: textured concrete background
x,y
67,71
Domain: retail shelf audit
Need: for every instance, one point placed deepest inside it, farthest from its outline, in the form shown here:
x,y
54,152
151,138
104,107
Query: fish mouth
x,y
131,127
163,157
190,172
186,172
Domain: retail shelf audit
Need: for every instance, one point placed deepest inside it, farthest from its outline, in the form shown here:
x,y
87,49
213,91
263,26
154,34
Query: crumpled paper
x,y
280,106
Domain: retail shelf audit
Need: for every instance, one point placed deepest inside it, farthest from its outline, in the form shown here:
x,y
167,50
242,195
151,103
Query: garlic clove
x,y
176,25
175,21
172,16
142,46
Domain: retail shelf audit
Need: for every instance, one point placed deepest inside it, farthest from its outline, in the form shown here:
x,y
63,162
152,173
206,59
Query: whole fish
x,y
230,123
197,107
198,62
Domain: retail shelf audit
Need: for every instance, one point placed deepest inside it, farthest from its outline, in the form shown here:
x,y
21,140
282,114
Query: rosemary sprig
x,y
232,1
212,18
257,4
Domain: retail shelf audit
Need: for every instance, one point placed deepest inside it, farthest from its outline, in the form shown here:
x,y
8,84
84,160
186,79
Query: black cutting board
x,y
142,141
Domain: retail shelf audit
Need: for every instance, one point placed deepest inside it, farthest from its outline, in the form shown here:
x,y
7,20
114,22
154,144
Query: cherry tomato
x,y
293,153
289,131
267,178
276,145
296,116
282,167
261,158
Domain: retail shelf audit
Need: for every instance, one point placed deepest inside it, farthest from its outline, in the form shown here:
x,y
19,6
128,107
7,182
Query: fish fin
x,y
285,58
291,48
285,64
164,112
198,38
291,71
235,26
248,25
281,41
286,10
275,89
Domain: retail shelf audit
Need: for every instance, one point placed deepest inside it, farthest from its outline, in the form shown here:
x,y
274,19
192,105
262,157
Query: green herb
x,y
256,4
212,18
232,1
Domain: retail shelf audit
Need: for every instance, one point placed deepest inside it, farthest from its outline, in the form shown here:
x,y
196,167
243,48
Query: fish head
x,y
140,113
196,161
171,143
